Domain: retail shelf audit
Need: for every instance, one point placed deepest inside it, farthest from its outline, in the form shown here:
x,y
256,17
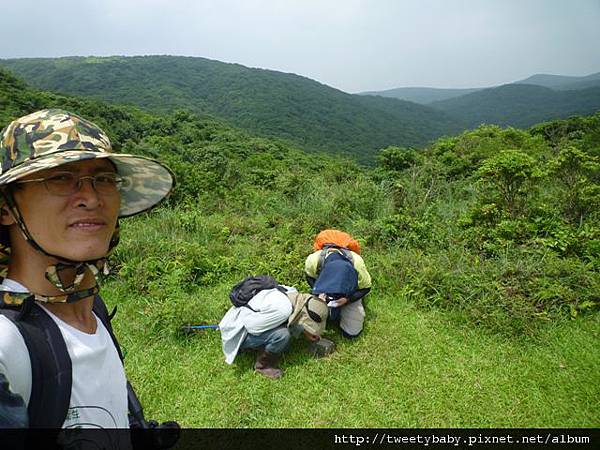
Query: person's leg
x,y
352,318
272,344
276,340
334,314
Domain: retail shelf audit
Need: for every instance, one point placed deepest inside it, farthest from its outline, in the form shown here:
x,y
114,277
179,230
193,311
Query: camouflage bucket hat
x,y
52,137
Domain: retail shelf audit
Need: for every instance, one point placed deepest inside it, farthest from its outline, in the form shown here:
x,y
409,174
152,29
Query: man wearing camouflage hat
x,y
62,193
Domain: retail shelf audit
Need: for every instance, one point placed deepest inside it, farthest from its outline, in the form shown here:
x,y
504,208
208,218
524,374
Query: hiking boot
x,y
251,349
322,347
266,364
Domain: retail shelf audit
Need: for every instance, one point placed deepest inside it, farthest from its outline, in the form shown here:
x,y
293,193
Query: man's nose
x,y
86,193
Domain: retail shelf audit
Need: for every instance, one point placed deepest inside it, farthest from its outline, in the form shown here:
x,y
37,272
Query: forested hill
x,y
421,95
520,105
427,95
211,160
270,103
560,82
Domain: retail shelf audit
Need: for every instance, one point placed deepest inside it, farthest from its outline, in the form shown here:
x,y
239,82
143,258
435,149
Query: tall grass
x,y
424,359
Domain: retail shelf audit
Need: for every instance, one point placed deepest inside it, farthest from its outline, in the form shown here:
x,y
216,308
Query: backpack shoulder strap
x,y
328,249
347,253
322,256
102,312
51,375
136,413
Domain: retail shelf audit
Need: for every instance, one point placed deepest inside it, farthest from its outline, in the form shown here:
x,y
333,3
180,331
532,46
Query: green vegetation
x,y
520,105
269,103
484,249
308,114
421,95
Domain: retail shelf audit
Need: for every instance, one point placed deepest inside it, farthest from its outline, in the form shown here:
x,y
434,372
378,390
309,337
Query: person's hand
x,y
342,301
323,297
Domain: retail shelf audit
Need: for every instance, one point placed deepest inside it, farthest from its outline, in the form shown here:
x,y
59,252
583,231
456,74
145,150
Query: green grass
x,y
411,368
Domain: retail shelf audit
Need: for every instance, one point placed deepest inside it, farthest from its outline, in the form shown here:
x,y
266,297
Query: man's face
x,y
77,226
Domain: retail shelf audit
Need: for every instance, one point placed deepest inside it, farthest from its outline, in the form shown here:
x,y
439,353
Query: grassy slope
x,y
411,368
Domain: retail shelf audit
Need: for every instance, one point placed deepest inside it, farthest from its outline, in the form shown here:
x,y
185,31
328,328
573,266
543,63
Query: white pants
x,y
352,318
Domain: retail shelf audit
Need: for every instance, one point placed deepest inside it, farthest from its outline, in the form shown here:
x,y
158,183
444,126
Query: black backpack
x,y
243,292
51,372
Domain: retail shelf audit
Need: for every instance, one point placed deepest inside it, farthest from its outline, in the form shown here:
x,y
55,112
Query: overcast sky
x,y
353,45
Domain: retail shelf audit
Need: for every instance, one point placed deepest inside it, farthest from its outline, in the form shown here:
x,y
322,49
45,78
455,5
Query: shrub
x,y
508,177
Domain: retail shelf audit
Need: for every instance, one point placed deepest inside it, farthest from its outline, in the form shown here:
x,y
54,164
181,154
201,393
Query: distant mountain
x,y
426,95
270,103
584,82
561,82
422,95
520,105
547,80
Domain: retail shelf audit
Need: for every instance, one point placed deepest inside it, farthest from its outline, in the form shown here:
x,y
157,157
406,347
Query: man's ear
x,y
6,217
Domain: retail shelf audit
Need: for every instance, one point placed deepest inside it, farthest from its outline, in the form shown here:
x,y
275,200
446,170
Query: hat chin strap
x,y
53,273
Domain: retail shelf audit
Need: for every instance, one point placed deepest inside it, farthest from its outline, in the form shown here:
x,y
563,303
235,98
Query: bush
x,y
508,179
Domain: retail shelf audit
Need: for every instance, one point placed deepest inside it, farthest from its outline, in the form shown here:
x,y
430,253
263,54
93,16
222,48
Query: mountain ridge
x,y
427,95
271,103
295,108
521,105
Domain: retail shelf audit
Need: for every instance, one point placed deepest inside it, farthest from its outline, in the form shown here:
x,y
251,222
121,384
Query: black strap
x,y
51,373
101,311
51,369
136,413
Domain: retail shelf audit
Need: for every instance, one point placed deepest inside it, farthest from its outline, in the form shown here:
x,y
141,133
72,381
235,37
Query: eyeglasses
x,y
67,183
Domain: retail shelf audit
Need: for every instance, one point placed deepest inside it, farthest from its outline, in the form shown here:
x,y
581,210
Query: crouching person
x,y
337,274
266,323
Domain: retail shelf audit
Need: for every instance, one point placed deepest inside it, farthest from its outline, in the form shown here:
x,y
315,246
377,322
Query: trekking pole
x,y
191,328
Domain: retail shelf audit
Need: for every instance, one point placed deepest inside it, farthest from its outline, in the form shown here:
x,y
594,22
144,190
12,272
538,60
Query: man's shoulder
x,y
273,295
8,331
356,257
270,300
314,255
14,358
312,261
12,343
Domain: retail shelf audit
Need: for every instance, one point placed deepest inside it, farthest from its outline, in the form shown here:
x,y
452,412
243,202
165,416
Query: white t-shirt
x,y
99,387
